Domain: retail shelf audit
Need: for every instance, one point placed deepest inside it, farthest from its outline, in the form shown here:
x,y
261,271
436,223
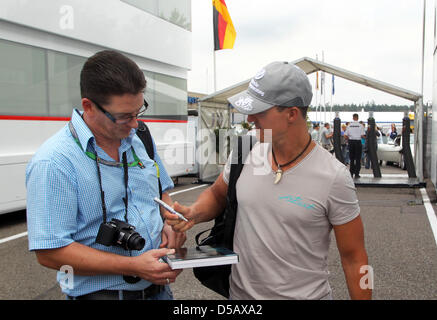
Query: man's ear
x,y
87,105
293,113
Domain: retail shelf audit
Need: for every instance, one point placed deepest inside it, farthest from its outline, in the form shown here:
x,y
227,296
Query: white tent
x,y
218,100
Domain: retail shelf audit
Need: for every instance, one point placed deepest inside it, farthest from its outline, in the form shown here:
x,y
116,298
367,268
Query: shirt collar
x,y
84,134
86,137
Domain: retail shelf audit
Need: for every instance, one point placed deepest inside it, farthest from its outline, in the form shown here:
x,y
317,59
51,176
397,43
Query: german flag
x,y
224,32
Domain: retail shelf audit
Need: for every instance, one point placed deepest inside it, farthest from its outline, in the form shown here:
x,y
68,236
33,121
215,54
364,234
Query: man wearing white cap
x,y
285,215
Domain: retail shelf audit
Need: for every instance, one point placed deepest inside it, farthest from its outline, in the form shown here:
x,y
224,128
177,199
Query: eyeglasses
x,y
122,119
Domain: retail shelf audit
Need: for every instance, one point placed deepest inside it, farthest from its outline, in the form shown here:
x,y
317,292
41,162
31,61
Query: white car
x,y
392,151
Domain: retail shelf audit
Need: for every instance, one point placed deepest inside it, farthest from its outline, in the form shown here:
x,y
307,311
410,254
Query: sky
x,y
381,39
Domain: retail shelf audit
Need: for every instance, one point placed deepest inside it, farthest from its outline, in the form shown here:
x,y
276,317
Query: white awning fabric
x,y
310,66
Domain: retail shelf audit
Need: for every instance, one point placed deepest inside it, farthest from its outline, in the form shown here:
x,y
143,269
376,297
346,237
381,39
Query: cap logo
x,y
260,74
253,86
245,103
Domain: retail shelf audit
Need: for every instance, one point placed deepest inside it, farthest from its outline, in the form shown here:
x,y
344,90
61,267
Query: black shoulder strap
x,y
144,134
243,148
222,233
146,138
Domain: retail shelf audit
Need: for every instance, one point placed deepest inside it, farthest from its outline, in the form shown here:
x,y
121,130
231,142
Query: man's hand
x,y
178,224
209,205
148,267
171,238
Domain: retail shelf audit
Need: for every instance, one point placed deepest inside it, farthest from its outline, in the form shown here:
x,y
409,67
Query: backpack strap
x,y
244,146
224,224
143,133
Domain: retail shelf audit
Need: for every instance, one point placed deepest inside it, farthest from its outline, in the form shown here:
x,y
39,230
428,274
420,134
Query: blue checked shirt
x,y
64,202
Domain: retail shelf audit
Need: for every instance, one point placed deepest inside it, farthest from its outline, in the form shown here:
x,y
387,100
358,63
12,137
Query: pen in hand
x,y
170,209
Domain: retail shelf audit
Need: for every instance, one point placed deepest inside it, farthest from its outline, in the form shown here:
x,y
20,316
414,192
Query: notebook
x,y
202,256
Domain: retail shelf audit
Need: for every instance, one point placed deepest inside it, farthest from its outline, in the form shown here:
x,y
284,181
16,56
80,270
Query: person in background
x,y
379,135
354,133
344,147
315,132
363,145
325,137
392,133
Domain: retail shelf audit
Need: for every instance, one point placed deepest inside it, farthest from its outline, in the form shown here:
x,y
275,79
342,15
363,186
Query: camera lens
x,y
136,242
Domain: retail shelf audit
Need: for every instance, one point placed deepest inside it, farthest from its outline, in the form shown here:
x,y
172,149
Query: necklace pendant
x,y
278,175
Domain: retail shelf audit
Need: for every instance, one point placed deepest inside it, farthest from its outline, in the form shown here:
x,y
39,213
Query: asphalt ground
x,y
400,244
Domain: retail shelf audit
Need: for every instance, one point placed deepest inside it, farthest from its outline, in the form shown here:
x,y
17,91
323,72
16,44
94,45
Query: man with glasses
x,y
90,191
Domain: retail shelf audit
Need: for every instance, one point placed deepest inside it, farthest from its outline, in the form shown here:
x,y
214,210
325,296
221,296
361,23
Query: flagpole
x,y
215,72
332,85
324,91
317,94
423,46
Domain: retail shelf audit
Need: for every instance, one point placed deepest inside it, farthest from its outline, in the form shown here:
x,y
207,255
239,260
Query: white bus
x,y
433,137
43,45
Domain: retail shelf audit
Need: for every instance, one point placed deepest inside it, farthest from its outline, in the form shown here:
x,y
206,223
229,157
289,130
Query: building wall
x,y
107,23
434,112
43,45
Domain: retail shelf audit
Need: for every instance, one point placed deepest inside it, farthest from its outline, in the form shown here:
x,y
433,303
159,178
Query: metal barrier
x,y
377,180
372,145
406,150
337,139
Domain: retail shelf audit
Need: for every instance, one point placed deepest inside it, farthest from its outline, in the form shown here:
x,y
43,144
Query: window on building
x,y
23,80
166,95
40,82
64,82
177,12
171,95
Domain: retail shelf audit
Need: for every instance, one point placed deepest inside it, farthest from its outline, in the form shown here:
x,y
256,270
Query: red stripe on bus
x,y
164,120
34,118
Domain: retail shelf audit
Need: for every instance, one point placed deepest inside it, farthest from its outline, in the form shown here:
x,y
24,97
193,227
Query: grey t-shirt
x,y
323,139
282,232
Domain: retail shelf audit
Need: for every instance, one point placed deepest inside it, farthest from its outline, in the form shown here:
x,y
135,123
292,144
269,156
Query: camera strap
x,y
102,193
126,178
124,164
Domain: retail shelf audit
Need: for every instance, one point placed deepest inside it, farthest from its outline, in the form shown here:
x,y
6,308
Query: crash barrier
x,y
337,139
406,150
372,145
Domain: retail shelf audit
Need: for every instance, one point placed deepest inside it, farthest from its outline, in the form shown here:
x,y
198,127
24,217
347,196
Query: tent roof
x,y
310,65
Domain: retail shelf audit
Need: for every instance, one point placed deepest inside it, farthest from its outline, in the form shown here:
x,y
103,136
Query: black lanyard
x,y
94,156
102,193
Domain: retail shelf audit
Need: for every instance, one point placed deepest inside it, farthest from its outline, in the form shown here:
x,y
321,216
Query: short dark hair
x,y
109,73
355,115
